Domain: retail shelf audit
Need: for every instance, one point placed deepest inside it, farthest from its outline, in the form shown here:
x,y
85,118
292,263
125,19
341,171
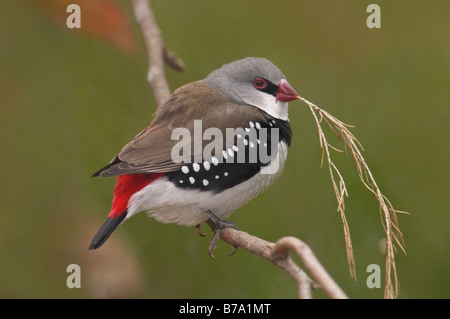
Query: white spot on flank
x,y
206,165
181,181
217,176
258,126
225,174
205,182
239,136
225,155
196,167
247,129
230,152
192,180
251,144
185,169
215,161
170,204
245,142
235,148
251,124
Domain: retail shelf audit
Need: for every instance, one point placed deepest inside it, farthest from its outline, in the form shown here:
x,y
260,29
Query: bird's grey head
x,y
254,81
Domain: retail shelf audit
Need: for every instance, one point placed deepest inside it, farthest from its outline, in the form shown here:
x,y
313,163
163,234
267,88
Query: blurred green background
x,y
69,100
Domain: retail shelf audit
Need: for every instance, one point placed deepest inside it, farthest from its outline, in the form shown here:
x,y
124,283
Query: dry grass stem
x,y
394,237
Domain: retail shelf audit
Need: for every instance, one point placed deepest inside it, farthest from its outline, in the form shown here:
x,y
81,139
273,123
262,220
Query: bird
x,y
175,181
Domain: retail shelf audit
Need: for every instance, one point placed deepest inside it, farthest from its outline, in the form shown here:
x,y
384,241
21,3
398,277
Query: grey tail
x,y
106,230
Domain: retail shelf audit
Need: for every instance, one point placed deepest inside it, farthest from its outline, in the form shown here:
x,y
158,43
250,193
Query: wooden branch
x,y
157,52
276,253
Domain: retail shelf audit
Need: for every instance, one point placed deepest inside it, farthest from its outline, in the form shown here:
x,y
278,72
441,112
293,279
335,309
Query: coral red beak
x,y
285,92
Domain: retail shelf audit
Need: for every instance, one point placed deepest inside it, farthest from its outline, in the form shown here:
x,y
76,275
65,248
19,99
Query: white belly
x,y
170,204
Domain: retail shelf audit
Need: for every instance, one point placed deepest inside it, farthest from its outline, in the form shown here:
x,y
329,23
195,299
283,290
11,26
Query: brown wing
x,y
150,151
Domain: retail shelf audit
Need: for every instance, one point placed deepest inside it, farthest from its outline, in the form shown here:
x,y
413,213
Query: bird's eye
x,y
260,83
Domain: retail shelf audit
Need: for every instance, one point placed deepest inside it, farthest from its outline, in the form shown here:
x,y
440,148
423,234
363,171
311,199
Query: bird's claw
x,y
198,230
218,226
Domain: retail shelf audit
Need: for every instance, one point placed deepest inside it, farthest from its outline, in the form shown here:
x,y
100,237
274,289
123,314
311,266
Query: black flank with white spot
x,y
217,174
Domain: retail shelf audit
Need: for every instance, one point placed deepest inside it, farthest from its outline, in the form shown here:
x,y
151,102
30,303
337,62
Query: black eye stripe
x,y
270,88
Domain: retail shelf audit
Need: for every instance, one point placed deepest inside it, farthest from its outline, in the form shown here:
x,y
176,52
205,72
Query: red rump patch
x,y
126,186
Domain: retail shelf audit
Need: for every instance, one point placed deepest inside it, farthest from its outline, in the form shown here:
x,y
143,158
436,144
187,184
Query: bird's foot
x,y
218,225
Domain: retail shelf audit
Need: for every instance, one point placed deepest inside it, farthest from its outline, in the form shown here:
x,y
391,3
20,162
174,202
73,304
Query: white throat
x,y
269,104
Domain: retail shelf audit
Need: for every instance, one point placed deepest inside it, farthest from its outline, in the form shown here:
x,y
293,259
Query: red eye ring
x,y
260,83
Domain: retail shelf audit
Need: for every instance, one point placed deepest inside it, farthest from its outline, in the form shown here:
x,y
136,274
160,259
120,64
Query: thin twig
x,y
156,50
173,60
